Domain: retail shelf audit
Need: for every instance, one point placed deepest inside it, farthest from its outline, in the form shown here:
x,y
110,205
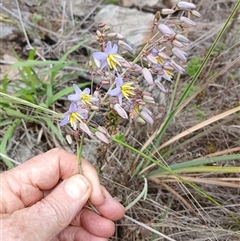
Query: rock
x,y
80,8
134,25
153,4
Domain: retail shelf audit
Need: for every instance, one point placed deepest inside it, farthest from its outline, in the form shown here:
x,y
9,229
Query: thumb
x,y
53,213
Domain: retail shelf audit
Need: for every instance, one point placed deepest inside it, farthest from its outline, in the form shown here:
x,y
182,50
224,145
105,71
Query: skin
x,y
45,199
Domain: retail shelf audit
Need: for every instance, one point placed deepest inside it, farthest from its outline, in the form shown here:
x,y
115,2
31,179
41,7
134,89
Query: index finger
x,y
44,171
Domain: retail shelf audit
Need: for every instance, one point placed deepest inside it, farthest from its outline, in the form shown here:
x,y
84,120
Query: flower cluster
x,y
159,61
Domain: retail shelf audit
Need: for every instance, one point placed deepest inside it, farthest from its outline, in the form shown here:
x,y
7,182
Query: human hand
x,y
44,199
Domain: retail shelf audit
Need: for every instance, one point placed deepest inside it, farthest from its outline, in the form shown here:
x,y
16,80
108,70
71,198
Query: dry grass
x,y
170,207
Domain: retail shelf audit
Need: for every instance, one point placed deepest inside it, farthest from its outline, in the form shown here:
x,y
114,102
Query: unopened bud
x,y
177,43
177,67
165,30
140,120
94,107
69,139
103,130
101,25
185,5
158,16
160,86
105,82
146,115
99,34
162,55
90,63
120,111
196,13
85,128
152,59
187,21
168,67
147,76
179,54
102,137
119,36
111,35
166,11
146,93
181,38
148,99
124,45
137,68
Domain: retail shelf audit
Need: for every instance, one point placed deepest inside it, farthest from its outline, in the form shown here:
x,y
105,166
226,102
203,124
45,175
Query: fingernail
x,y
76,187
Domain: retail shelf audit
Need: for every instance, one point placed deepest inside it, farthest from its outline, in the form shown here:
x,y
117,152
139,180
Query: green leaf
x,y
7,136
54,129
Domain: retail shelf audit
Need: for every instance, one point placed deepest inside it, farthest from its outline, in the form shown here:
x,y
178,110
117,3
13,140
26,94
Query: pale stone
x,y
134,25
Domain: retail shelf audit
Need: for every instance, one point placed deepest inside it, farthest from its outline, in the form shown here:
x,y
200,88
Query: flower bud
x,y
160,86
177,67
124,45
186,5
179,54
166,11
158,15
69,139
85,128
137,68
196,13
152,59
146,115
140,120
94,107
101,25
119,36
187,21
111,35
105,82
102,137
181,38
165,30
147,76
146,93
177,43
103,130
99,34
148,99
164,56
117,107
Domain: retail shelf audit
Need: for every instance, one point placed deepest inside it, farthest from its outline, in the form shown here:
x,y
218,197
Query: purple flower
x,y
82,97
73,116
122,90
109,57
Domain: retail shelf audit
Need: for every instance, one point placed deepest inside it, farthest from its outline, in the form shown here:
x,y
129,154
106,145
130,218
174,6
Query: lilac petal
x,y
120,97
73,108
114,49
64,121
99,55
86,91
74,97
114,92
108,48
104,64
119,81
83,113
77,89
